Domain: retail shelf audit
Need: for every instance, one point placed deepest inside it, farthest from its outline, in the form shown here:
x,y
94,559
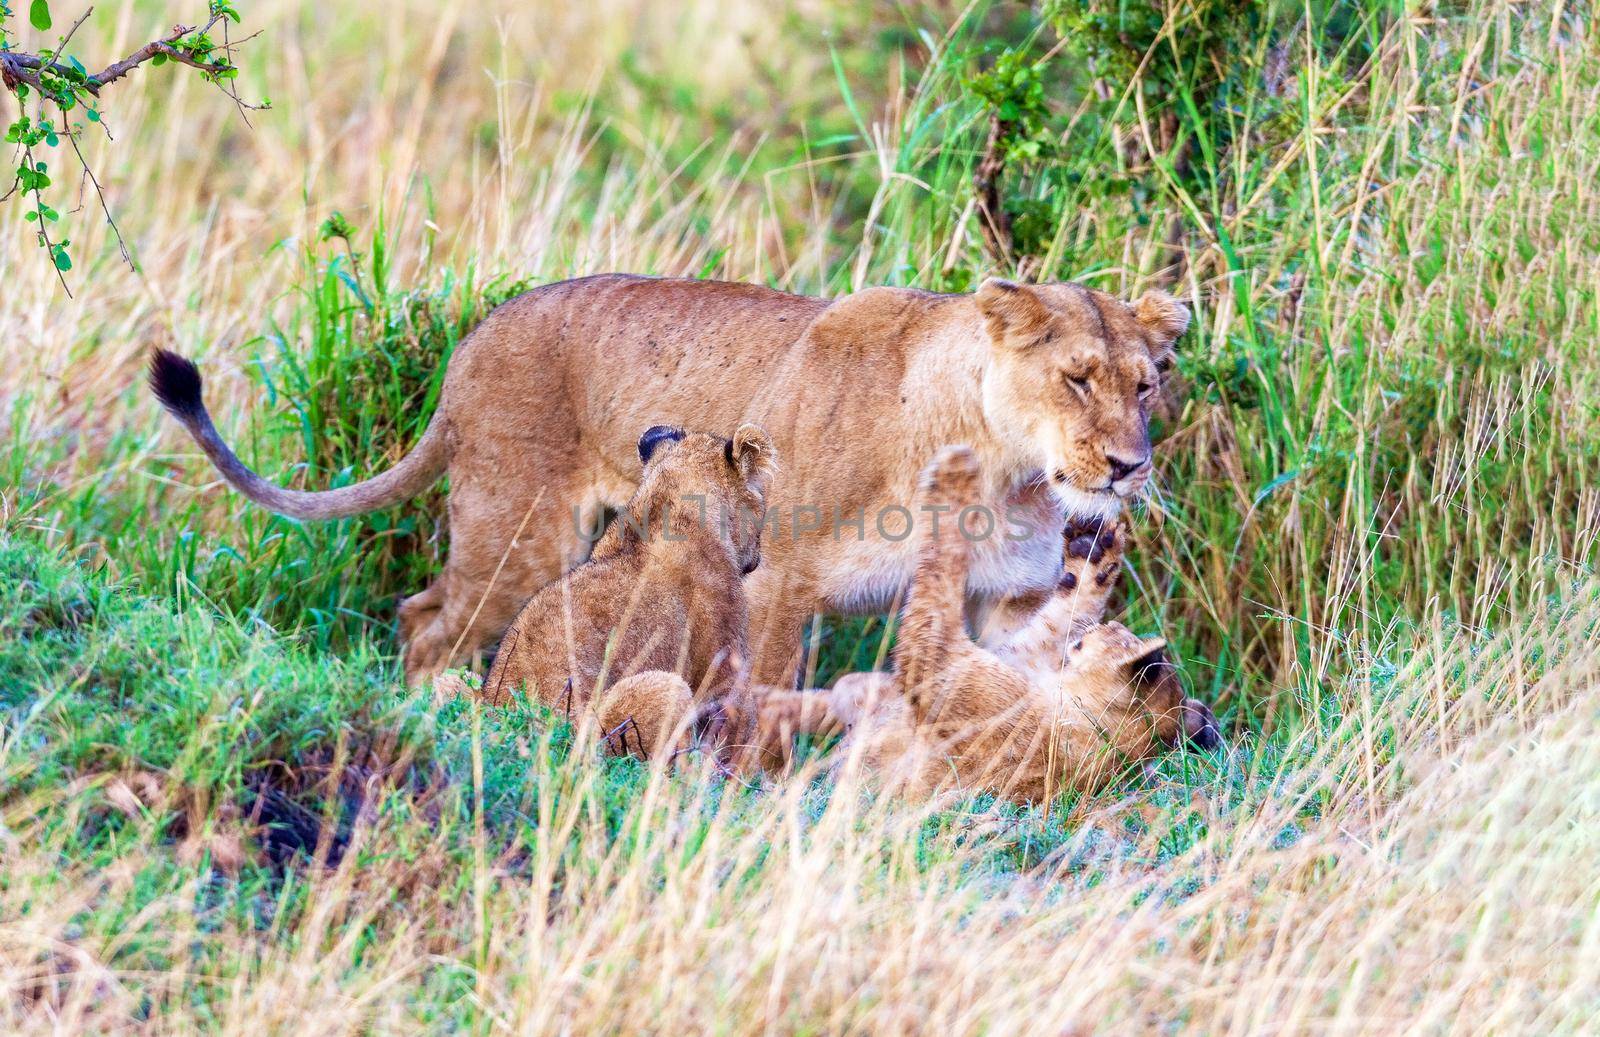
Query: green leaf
x,y
30,216
94,115
159,59
39,14
63,261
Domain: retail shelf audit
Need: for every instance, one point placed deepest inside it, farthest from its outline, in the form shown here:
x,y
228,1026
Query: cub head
x,y
1133,690
1072,376
704,484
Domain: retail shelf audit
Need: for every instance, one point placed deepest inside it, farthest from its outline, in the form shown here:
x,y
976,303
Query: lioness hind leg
x,y
491,571
419,610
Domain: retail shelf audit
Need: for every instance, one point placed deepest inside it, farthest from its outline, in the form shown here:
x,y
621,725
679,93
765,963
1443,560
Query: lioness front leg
x,y
779,612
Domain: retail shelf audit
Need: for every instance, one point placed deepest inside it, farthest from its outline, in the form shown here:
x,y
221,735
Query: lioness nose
x,y
1121,469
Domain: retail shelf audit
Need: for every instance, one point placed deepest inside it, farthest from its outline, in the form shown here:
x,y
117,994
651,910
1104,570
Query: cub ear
x,y
752,454
1011,310
1133,660
653,437
1163,316
1149,660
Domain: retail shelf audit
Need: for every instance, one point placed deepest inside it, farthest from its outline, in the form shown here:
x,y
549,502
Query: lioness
x,y
660,608
1052,385
1063,702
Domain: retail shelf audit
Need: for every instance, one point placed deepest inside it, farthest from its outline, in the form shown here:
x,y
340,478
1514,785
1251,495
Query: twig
x,y
25,67
99,191
44,235
621,731
117,69
74,30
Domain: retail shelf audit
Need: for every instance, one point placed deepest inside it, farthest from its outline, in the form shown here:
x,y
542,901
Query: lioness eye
x,y
1080,384
1144,388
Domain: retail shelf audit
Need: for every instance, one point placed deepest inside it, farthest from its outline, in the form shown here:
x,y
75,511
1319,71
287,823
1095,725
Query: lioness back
x,y
614,353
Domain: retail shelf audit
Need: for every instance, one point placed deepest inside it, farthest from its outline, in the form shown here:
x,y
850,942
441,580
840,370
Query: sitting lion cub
x,y
1063,700
654,623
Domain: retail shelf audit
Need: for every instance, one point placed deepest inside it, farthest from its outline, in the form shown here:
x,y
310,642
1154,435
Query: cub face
x,y
1074,373
720,484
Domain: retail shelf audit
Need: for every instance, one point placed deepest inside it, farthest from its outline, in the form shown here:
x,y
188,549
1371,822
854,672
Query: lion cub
x,y
652,626
1061,701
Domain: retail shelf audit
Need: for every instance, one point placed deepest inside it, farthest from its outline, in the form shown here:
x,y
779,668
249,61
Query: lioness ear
x,y
751,452
653,437
1163,316
1011,310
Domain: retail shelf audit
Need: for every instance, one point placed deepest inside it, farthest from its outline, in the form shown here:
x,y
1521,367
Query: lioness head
x,y
1073,374
695,480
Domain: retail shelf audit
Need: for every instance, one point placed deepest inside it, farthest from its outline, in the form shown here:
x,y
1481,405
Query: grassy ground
x,y
1372,545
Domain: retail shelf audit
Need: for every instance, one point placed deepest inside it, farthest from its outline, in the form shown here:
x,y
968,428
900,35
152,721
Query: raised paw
x,y
1093,556
952,476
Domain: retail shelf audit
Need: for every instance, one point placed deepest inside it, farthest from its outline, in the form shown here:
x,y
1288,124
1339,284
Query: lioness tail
x,y
176,383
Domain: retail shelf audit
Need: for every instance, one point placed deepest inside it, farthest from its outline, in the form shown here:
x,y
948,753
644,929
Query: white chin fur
x,y
1084,505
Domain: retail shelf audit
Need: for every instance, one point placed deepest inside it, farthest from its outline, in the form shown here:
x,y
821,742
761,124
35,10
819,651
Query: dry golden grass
x,y
1446,883
477,110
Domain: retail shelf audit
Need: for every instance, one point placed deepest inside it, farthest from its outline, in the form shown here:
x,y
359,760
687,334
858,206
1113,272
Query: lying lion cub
x,y
1064,701
655,621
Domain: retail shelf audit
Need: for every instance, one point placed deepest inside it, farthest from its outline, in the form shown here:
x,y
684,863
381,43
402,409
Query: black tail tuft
x,y
176,383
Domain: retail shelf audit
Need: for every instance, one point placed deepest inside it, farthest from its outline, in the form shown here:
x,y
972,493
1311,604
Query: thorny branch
x,y
52,75
16,66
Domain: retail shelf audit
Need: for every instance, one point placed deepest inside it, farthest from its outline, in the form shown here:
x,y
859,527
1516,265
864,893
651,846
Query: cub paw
x,y
646,714
855,695
952,475
1093,556
455,684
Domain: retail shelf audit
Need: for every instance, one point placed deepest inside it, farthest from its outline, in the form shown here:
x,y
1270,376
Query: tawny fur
x,y
1052,385
652,626
1065,701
